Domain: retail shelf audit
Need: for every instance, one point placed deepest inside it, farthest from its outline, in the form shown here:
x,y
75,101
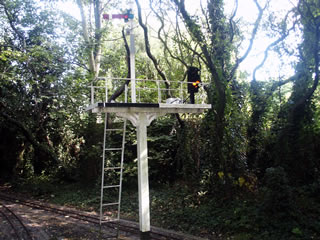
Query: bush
x,y
277,194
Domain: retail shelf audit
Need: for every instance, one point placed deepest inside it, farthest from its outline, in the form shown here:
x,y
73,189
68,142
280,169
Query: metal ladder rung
x,y
105,167
113,149
111,168
111,186
110,204
117,120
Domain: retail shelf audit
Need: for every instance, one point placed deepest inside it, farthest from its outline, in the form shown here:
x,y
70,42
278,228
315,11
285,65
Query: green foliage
x,y
246,169
32,64
188,158
38,93
198,213
162,147
41,185
12,152
277,193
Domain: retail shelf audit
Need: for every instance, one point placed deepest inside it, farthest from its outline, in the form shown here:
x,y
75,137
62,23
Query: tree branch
x,y
162,40
147,45
196,33
29,136
231,22
86,37
11,22
97,37
253,36
121,89
315,84
266,52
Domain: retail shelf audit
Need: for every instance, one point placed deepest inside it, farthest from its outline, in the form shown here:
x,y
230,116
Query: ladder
x,y
115,169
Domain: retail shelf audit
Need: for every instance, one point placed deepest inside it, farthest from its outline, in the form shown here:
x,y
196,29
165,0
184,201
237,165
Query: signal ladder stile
x,y
107,168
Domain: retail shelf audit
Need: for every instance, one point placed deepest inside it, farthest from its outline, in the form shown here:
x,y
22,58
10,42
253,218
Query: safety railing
x,y
146,91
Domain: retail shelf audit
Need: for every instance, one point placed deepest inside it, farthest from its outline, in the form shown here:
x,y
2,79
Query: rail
x,y
147,91
127,227
18,227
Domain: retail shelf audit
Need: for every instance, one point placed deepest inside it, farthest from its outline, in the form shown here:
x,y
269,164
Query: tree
x,y
294,128
32,86
216,36
93,44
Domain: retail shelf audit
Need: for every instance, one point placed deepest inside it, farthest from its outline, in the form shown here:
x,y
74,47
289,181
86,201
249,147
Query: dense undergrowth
x,y
289,213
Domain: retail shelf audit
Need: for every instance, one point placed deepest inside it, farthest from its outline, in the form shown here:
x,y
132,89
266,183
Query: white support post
x,y
106,90
159,91
132,64
181,92
141,121
143,179
125,93
92,94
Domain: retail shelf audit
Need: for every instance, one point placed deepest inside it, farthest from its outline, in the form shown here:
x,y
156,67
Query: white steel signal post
x,y
128,16
141,115
132,64
140,121
142,148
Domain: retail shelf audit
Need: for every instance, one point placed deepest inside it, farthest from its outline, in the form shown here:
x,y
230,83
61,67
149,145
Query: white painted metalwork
x,y
143,176
105,169
92,94
147,90
132,63
162,108
140,115
141,119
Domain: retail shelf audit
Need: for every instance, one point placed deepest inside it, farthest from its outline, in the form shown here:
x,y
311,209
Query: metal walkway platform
x,y
141,109
161,108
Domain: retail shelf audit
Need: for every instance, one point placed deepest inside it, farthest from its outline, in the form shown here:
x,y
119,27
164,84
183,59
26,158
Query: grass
x,y
169,204
177,208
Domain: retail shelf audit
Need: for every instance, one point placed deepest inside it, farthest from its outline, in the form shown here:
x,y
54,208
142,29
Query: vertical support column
x,y
106,89
192,97
132,64
141,121
143,179
125,93
92,94
181,91
159,91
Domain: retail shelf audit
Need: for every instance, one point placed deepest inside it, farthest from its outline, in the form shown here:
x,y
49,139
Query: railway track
x,y
122,226
18,227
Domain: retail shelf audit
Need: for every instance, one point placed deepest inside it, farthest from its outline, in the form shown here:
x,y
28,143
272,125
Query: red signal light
x,y
126,16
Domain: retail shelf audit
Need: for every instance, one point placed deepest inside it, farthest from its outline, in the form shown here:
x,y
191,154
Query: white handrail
x,y
142,89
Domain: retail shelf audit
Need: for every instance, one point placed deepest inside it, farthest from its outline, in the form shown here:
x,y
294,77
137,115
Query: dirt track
x,y
44,221
43,225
